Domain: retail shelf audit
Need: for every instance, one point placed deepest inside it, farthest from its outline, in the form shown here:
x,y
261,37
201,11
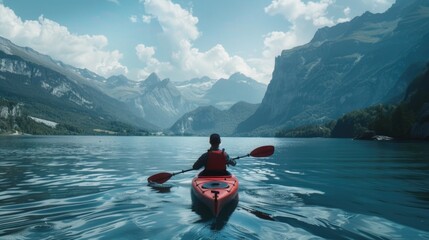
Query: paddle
x,y
163,177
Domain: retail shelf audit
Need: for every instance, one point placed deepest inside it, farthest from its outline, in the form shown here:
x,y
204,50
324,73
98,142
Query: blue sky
x,y
177,39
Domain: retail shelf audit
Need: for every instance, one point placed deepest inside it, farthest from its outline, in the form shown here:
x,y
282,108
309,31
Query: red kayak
x,y
215,191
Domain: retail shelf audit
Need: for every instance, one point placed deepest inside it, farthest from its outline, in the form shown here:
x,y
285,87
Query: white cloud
x,y
377,6
305,19
146,18
176,22
49,37
346,17
151,64
275,42
347,11
145,53
114,1
133,18
294,9
187,61
215,63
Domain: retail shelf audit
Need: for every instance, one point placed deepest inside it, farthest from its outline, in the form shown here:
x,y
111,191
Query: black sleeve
x,y
201,162
230,161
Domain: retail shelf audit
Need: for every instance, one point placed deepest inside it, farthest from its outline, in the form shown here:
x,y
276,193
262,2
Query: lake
x,y
74,187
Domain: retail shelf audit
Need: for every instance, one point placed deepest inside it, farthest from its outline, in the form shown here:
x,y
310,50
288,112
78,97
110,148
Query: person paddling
x,y
214,160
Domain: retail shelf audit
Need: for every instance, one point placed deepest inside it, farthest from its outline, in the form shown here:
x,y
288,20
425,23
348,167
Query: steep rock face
x,y
9,111
157,101
346,67
160,102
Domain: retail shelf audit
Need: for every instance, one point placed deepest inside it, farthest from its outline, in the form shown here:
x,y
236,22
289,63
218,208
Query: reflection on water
x,y
95,187
206,216
160,187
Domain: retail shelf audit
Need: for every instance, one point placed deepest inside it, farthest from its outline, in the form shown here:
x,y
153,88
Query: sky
x,y
176,39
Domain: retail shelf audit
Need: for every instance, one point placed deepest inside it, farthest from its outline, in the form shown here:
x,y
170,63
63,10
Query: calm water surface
x,y
95,188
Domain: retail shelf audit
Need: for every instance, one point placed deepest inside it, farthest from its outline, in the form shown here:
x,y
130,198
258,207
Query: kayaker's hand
x,y
232,163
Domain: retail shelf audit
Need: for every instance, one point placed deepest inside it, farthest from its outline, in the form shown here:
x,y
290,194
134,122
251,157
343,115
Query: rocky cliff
x,y
346,67
160,102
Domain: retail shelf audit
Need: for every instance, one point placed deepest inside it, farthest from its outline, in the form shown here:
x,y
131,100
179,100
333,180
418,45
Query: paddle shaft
x,y
263,151
183,171
247,155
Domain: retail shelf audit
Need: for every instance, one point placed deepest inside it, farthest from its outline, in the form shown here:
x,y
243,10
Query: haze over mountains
x,y
370,60
209,119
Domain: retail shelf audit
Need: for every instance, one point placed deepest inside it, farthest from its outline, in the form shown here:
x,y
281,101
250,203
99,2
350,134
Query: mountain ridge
x,y
52,90
348,66
154,103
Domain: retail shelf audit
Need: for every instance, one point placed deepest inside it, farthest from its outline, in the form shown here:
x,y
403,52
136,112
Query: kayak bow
x,y
215,191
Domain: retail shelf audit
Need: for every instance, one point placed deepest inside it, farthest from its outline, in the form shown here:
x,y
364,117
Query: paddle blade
x,y
263,151
160,177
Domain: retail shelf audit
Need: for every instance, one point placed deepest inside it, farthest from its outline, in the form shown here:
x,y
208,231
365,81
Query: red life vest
x,y
216,161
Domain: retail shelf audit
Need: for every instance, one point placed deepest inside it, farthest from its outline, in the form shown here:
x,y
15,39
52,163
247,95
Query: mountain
x,y
52,90
159,101
163,102
209,119
222,93
195,89
118,81
238,87
349,66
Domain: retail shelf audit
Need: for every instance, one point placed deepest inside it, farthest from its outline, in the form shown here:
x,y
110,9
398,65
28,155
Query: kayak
x,y
215,191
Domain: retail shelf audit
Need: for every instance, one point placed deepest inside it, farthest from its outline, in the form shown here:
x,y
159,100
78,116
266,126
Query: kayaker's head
x,y
215,139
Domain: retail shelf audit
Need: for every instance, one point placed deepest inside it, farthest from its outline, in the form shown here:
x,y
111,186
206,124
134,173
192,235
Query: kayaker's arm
x,y
230,161
201,162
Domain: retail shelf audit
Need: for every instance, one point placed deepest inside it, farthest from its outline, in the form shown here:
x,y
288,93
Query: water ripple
x,y
95,188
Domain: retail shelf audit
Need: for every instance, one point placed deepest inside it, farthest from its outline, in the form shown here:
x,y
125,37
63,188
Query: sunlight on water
x,y
95,187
